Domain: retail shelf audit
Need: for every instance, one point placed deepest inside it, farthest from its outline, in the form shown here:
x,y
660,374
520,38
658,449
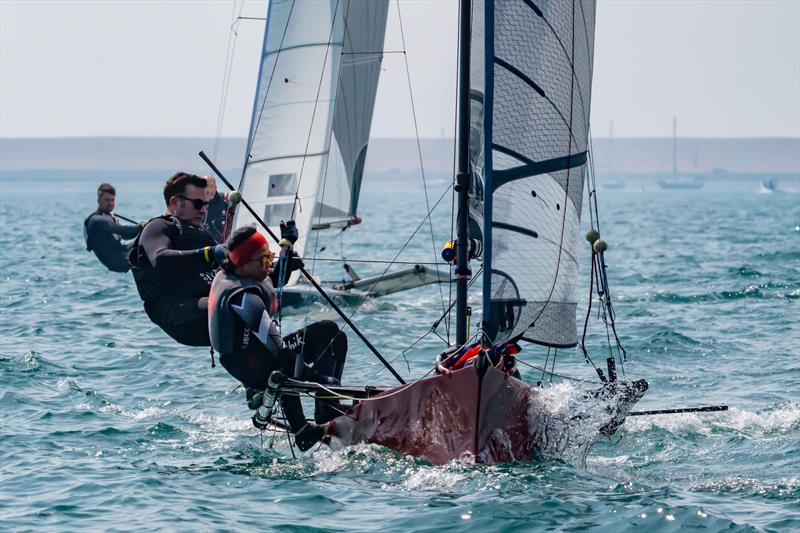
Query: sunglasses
x,y
266,259
196,202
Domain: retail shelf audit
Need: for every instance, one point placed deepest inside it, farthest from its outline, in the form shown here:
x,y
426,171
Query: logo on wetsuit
x,y
208,276
294,342
246,337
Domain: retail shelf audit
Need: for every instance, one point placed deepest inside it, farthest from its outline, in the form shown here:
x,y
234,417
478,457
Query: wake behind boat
x,y
768,186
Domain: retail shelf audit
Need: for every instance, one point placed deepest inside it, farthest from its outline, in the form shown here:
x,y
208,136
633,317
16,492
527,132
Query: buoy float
x,y
600,246
234,197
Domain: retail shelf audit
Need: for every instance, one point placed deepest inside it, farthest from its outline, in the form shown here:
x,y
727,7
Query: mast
x,y
463,178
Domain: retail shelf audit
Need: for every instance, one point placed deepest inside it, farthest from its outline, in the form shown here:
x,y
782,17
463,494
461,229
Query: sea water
x,y
108,424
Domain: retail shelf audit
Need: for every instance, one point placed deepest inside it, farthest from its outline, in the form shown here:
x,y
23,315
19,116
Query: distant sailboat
x,y
678,182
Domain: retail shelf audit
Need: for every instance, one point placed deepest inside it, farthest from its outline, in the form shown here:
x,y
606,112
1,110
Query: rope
x,y
373,261
431,330
562,376
403,352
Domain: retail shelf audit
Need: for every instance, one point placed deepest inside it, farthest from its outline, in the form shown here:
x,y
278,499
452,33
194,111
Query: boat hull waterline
x,y
493,418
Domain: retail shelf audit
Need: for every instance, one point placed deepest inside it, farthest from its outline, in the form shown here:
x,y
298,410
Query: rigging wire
x,y
430,209
367,294
545,371
432,329
314,111
230,53
327,148
419,146
269,83
375,261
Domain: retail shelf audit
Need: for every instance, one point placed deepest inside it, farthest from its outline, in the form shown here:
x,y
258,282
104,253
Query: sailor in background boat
x,y
104,233
174,260
241,306
217,207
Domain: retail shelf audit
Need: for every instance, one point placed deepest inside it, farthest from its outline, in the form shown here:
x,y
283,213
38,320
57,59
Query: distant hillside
x,y
701,156
394,156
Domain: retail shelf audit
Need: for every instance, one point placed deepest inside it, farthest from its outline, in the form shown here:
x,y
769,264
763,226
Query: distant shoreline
x,y
652,156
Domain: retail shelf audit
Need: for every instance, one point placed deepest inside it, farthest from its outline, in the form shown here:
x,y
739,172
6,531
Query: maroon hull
x,y
461,416
432,418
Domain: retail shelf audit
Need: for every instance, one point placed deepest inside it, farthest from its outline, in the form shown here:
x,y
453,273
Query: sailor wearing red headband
x,y
241,305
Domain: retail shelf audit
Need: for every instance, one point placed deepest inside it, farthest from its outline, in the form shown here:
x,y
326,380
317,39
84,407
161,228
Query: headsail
x,y
360,69
308,91
532,61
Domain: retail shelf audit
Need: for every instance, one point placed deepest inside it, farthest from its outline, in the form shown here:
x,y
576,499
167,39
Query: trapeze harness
x,y
173,269
103,234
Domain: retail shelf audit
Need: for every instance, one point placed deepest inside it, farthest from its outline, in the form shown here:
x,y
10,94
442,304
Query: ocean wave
x,y
785,489
751,291
745,271
668,339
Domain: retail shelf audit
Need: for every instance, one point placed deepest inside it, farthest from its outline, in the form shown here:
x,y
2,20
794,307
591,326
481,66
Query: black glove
x,y
214,255
293,262
312,374
289,231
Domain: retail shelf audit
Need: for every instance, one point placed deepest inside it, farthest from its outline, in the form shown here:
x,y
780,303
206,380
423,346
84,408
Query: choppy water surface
x,y
107,424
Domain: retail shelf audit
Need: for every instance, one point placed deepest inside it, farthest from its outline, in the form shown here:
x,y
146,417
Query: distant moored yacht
x,y
677,182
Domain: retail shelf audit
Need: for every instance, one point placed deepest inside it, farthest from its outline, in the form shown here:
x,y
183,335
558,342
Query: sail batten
x,y
535,72
312,113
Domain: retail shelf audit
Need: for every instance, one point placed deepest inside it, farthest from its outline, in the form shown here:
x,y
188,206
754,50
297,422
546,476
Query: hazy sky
x,y
155,68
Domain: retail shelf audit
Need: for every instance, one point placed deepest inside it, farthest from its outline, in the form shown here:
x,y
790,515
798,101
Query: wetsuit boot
x,y
306,434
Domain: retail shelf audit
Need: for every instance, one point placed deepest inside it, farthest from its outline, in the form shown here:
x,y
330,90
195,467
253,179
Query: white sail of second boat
x,y
313,107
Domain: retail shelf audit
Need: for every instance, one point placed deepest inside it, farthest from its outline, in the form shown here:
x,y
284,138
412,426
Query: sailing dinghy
x,y
309,134
525,75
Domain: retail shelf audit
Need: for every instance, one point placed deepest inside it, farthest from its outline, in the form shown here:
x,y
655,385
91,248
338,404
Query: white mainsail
x,y
532,62
312,112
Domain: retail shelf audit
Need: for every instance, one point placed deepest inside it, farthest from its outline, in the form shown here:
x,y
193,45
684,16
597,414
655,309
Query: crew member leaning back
x,y
104,233
174,260
241,307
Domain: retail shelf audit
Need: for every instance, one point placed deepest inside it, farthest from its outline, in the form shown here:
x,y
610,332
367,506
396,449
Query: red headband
x,y
244,252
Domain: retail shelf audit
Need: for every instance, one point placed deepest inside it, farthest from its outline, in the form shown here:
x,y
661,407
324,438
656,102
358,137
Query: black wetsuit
x,y
215,216
104,234
251,348
173,276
